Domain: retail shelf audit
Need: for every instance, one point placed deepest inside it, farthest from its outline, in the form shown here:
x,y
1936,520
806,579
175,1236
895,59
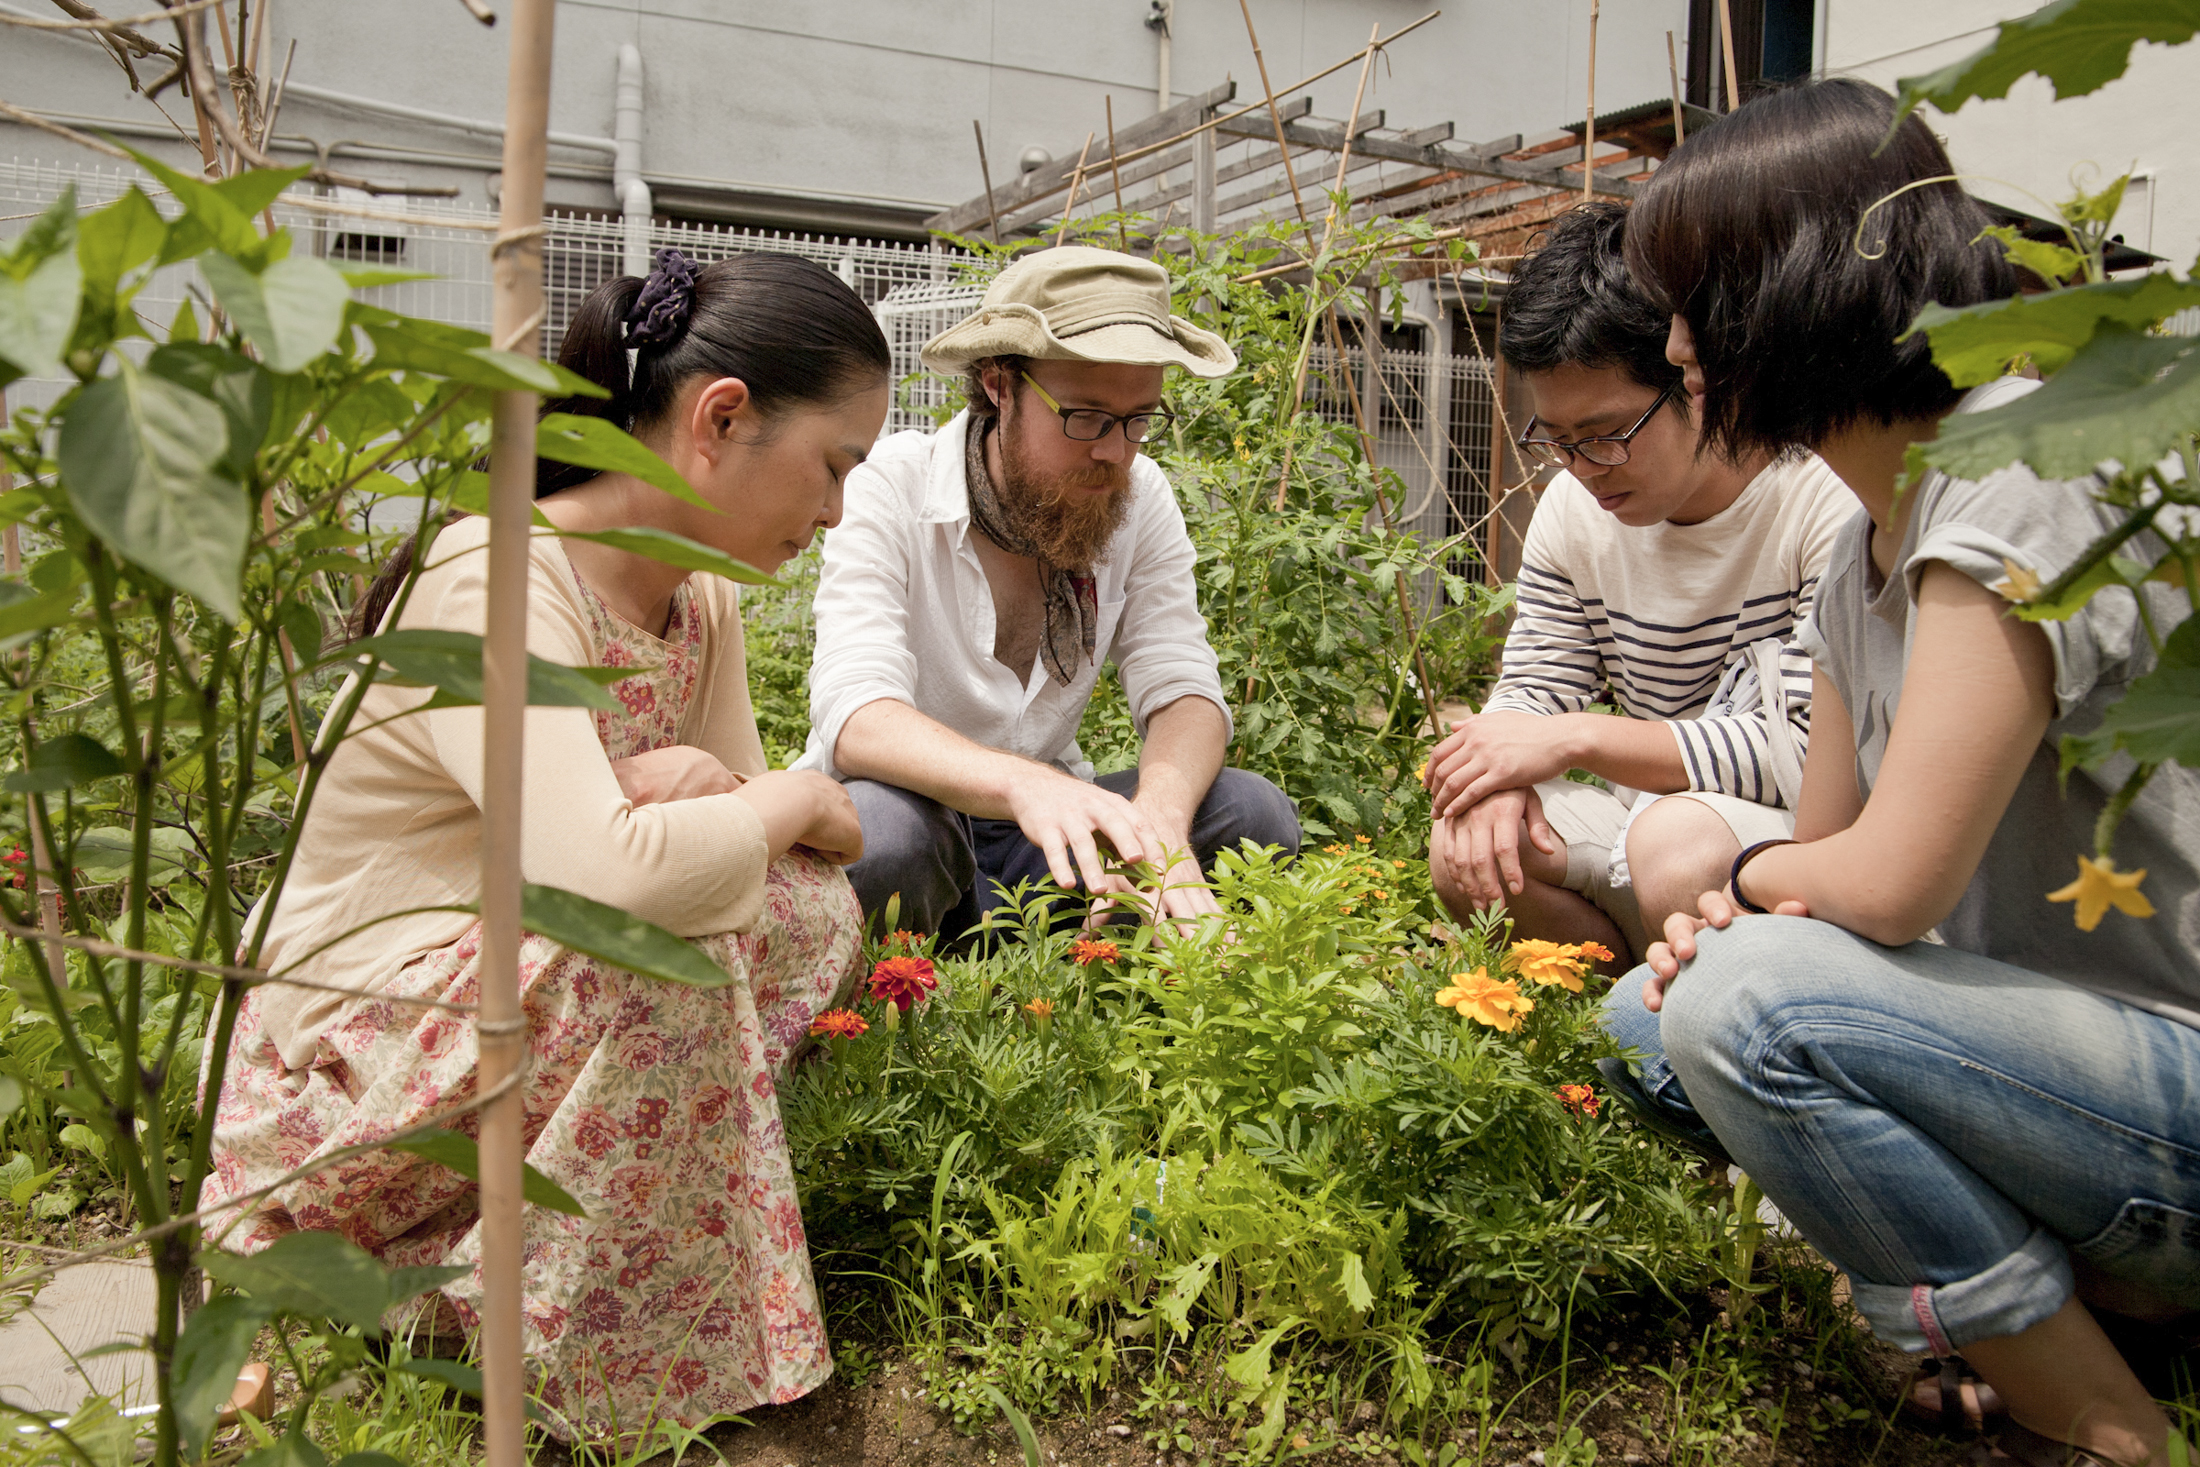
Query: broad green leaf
x,y
302,624
367,277
140,457
291,311
210,217
594,443
213,1347
461,1155
64,763
410,1283
113,241
404,343
11,1098
667,548
367,413
2053,263
256,188
2079,46
450,662
1975,344
242,388
184,325
321,1275
104,853
2158,718
619,939
2124,396
22,615
459,1377
40,280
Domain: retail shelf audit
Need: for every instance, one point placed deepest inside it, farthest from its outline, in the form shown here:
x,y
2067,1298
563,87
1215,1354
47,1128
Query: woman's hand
x,y
675,772
1665,958
801,807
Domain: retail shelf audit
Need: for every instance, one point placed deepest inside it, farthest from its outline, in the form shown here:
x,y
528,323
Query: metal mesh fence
x,y
1433,412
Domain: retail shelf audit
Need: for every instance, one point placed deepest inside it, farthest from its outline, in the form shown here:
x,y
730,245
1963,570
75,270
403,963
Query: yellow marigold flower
x,y
1363,840
1399,864
1420,775
1546,963
1479,997
1380,895
1332,850
1344,911
2100,886
2022,584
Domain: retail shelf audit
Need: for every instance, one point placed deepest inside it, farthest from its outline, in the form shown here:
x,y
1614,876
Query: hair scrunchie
x,y
661,312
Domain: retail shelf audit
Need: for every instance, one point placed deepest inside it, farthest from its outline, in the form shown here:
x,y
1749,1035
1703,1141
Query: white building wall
x,y
2029,147
827,106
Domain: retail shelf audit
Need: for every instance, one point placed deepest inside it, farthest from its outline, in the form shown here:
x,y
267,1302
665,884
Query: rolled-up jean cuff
x,y
2015,1294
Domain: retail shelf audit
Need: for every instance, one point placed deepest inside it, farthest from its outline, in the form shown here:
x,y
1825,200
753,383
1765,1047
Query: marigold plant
x,y
903,982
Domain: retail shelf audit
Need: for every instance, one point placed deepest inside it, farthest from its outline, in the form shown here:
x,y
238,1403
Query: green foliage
x,y
1236,1140
2079,46
193,522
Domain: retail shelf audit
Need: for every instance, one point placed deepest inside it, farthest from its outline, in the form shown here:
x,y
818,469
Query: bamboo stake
x,y
1673,70
501,1028
1075,179
43,889
1122,236
985,171
1275,115
1726,51
1589,136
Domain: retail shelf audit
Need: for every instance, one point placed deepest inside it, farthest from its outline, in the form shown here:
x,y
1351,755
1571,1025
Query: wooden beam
x,y
1052,178
1262,192
1554,173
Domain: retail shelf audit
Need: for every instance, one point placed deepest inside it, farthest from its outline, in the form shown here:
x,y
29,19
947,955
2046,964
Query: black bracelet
x,y
1734,876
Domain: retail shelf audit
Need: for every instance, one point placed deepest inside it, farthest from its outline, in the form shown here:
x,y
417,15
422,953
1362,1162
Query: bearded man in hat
x,y
980,578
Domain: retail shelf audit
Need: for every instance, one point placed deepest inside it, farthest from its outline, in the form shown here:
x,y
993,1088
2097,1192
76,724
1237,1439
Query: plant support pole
x,y
1673,70
1589,135
516,314
985,171
1726,53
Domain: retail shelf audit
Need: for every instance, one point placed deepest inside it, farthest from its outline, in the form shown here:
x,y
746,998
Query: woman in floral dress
x,y
687,1291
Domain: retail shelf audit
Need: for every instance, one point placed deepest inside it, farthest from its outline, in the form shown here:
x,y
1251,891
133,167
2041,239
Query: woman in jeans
x,y
1997,1136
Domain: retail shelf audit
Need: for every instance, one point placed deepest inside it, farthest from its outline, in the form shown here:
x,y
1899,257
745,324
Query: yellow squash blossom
x,y
2100,886
1480,997
2022,584
1546,963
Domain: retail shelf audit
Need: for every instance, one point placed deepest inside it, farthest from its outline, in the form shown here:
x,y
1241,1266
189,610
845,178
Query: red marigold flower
x,y
1596,950
903,982
838,1024
1579,1099
1085,950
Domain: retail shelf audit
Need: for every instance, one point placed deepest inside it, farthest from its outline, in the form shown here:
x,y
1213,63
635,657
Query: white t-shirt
x,y
1664,616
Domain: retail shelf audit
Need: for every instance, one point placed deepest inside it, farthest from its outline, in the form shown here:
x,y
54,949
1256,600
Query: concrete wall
x,y
838,112
2030,142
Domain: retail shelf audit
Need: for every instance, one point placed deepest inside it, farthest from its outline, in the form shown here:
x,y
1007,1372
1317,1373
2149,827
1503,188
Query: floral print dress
x,y
687,1290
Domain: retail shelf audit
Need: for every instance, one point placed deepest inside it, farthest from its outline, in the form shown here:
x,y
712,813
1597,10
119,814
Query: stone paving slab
x,y
80,1309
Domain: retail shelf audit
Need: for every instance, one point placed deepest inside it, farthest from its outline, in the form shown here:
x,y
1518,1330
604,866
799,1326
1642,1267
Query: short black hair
x,y
1572,303
1755,230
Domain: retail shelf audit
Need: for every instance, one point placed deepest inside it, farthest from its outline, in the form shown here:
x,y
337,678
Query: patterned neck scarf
x,y
1072,598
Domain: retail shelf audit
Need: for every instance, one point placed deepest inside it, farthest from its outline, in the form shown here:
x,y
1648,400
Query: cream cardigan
x,y
396,822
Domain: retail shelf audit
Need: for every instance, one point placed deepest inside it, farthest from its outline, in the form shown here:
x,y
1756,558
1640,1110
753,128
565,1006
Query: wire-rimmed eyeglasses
x,y
1090,425
1608,450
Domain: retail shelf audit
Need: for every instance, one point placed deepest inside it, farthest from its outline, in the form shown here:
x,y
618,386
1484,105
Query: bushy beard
x,y
1065,524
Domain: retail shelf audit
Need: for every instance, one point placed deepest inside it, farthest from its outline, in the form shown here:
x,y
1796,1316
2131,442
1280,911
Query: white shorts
x,y
1593,823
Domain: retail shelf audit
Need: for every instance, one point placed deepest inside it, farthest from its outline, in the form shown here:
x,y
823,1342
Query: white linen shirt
x,y
904,611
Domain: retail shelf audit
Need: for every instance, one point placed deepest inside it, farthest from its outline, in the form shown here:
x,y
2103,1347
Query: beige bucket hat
x,y
1079,304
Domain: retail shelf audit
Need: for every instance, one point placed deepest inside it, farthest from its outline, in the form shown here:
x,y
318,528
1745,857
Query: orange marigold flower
x,y
1480,997
902,940
1380,895
1579,1099
1085,950
1332,850
903,982
838,1024
1544,962
1598,951
1040,1008
1363,840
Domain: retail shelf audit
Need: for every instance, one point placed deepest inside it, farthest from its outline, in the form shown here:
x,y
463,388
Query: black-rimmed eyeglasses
x,y
1090,425
1607,450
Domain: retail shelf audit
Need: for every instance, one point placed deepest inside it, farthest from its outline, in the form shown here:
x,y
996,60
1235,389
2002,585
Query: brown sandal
x,y
1962,1409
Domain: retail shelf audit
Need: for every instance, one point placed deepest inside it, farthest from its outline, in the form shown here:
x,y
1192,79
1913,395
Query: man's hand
x,y
1665,958
1481,846
675,772
1062,816
1185,894
1489,752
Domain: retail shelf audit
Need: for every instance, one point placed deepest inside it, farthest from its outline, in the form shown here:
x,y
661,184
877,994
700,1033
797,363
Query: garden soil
x,y
884,1422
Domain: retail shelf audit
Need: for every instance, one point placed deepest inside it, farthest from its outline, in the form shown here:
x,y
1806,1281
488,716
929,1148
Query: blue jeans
x,y
951,868
1945,1128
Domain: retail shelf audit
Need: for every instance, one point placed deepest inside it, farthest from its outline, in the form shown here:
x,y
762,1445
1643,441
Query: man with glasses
x,y
981,577
1657,577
